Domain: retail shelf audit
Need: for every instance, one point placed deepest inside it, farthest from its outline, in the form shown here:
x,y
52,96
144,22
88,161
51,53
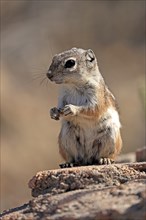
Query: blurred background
x,y
31,33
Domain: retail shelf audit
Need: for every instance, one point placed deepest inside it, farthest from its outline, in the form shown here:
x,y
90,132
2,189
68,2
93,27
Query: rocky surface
x,y
63,180
107,192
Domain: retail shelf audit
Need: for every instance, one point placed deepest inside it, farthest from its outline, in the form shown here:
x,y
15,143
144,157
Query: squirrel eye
x,y
69,63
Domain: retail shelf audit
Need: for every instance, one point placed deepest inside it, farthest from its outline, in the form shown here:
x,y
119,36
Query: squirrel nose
x,y
49,74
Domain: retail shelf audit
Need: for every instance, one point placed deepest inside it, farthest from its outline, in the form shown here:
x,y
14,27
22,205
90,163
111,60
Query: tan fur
x,y
90,121
118,145
106,100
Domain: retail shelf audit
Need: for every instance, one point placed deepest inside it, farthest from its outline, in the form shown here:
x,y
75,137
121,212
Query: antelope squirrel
x,y
90,132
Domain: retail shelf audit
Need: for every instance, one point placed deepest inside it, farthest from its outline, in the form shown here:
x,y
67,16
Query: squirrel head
x,y
73,66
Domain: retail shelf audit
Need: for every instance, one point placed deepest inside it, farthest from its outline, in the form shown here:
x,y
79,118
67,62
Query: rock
x,y
107,192
62,180
141,154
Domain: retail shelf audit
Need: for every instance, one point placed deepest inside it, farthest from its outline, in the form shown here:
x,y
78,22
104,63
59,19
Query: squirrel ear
x,y
90,56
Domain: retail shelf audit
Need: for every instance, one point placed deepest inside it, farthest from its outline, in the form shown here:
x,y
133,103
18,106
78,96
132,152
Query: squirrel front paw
x,y
55,113
69,110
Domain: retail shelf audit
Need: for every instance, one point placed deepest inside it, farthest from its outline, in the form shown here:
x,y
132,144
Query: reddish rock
x,y
86,193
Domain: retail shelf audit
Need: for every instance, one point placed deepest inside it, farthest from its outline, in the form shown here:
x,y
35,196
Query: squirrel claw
x,y
66,165
105,161
69,110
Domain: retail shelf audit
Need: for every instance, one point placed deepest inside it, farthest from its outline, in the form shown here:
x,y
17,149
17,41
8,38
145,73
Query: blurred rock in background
x,y
31,33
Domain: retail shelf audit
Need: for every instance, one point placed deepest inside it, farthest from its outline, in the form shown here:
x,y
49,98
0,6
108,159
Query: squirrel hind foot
x,y
101,161
73,164
105,161
66,165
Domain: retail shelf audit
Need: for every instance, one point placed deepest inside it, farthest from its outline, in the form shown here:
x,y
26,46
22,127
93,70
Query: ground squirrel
x,y
90,132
